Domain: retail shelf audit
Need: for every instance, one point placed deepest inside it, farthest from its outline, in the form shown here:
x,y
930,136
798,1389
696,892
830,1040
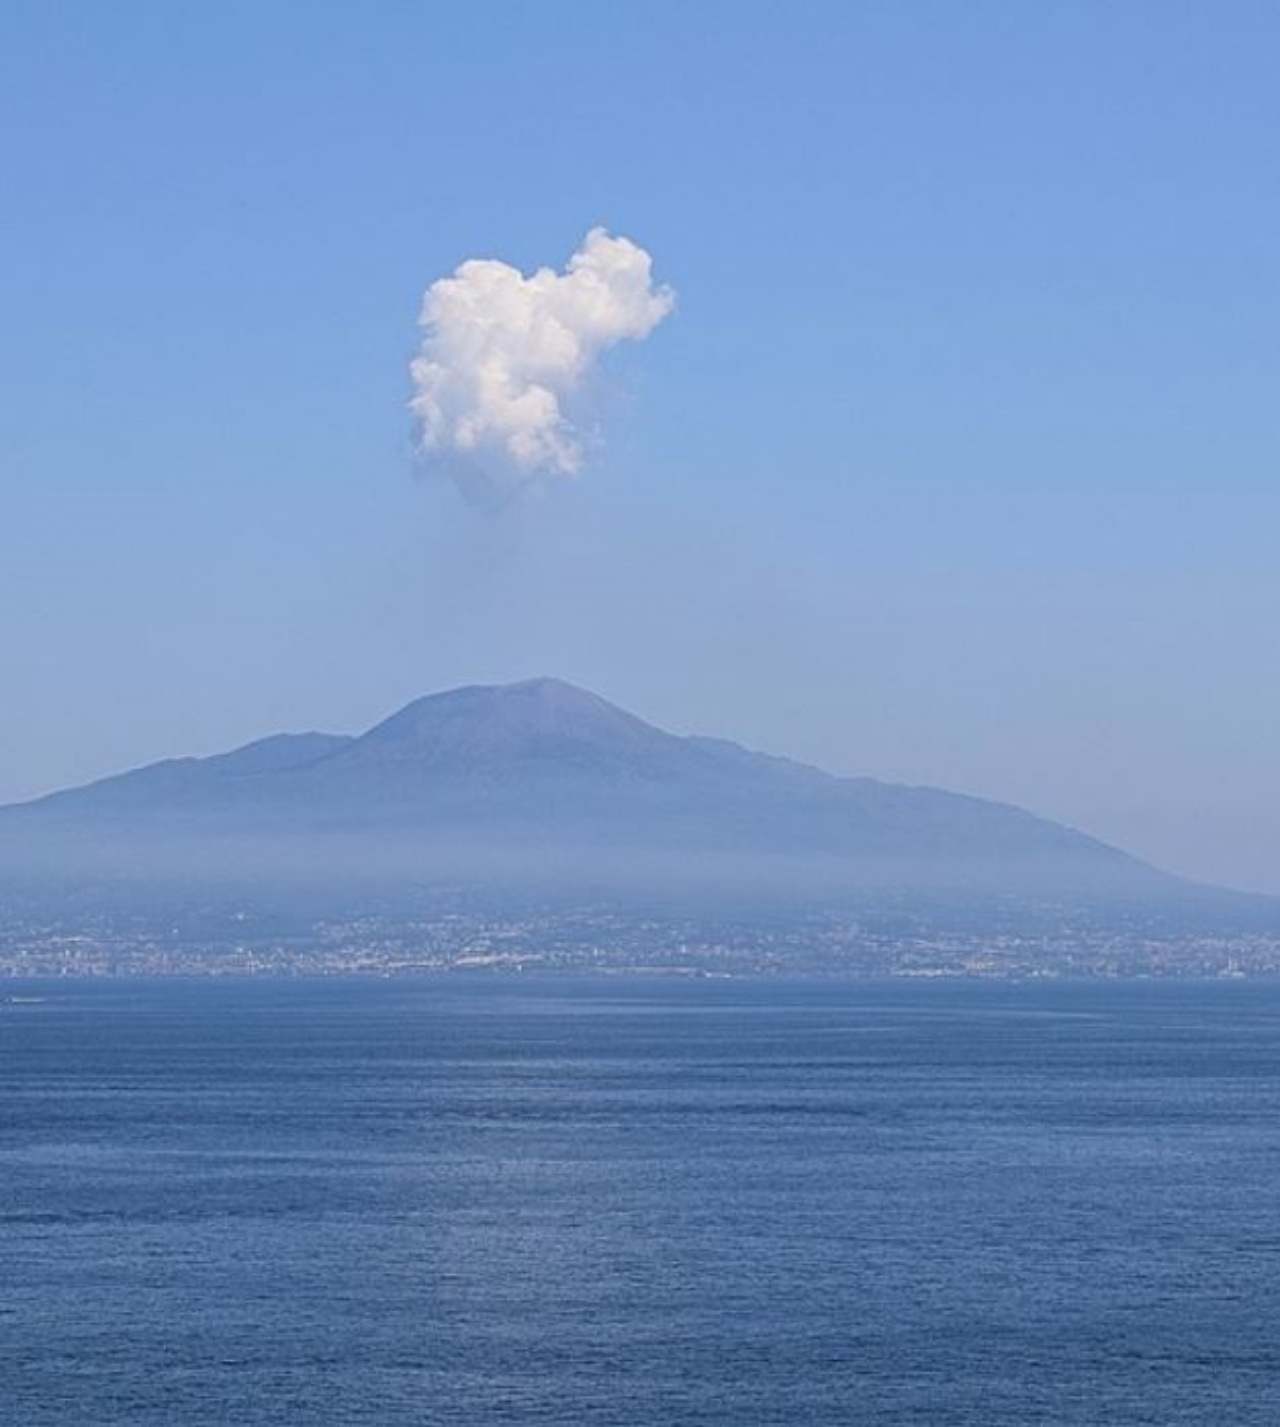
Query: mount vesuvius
x,y
543,778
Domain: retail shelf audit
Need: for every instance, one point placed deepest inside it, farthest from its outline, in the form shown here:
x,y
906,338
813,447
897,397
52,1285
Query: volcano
x,y
519,777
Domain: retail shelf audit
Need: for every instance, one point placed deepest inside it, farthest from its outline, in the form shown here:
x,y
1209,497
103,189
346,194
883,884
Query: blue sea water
x,y
634,1202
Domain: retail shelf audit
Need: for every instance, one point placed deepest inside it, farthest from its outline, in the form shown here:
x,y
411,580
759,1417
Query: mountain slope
x,y
541,768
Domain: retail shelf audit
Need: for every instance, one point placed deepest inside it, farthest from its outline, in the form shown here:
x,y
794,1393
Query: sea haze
x,y
638,1203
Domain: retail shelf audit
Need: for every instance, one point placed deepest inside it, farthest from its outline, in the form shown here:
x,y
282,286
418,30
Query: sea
x,y
639,1201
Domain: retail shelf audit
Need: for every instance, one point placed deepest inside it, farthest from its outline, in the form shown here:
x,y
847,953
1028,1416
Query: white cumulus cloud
x,y
501,353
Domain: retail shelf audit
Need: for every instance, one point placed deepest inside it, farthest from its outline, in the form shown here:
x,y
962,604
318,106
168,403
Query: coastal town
x,y
245,941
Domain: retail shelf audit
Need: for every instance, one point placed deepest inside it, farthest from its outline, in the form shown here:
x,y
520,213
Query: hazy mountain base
x,y
118,923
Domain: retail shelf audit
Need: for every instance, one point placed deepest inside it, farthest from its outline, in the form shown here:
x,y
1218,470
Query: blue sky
x,y
957,463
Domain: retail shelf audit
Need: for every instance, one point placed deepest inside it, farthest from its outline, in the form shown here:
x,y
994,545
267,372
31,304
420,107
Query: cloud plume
x,y
501,353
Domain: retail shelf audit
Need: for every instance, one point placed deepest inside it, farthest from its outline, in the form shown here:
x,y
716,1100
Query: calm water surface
x,y
639,1203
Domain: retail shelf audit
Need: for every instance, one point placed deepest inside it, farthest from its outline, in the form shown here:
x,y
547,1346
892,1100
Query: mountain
x,y
541,775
